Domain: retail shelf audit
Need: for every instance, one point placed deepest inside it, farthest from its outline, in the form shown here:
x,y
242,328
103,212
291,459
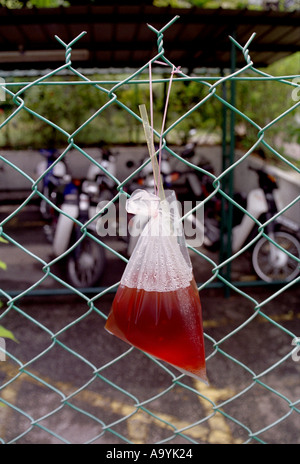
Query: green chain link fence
x,y
150,403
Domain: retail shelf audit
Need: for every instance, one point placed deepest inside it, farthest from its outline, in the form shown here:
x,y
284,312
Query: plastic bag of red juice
x,y
157,306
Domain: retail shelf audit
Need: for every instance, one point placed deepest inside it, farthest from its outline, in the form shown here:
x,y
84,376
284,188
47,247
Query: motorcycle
x,y
84,257
192,180
198,184
272,255
51,181
105,183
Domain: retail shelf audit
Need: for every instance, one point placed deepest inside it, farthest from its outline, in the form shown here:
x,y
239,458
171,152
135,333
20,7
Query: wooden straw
x,y
150,144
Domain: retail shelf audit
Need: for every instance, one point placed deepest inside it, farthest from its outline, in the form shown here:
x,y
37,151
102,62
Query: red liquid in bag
x,y
167,325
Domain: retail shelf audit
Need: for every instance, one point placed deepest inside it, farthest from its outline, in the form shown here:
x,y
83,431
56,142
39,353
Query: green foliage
x,y
266,100
15,4
70,106
2,264
172,3
281,5
4,333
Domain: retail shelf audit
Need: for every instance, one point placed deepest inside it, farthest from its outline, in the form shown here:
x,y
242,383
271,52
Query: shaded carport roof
x,y
118,36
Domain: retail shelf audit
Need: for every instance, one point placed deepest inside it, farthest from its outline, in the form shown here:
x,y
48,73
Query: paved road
x,y
72,351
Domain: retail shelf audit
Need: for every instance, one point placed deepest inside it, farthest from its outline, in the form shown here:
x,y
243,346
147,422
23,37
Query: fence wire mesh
x,y
72,382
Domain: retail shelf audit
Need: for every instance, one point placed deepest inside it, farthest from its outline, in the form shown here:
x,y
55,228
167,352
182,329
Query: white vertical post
x,y
2,89
2,349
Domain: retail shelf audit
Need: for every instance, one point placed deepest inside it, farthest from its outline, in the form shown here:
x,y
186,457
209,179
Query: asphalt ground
x,y
253,392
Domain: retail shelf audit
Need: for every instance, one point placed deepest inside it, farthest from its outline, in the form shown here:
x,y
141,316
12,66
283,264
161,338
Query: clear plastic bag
x,y
157,306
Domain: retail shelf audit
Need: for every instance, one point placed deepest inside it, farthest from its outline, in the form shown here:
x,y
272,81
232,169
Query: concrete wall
x,y
130,158
28,160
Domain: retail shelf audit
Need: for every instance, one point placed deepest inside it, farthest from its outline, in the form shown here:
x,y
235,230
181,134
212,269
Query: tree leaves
x,y
4,333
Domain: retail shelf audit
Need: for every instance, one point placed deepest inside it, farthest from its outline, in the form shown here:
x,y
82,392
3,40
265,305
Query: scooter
x,y
192,180
51,181
275,256
85,261
94,174
83,256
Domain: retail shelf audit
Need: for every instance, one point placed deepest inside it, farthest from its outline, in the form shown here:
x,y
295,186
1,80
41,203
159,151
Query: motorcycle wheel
x,y
283,267
85,266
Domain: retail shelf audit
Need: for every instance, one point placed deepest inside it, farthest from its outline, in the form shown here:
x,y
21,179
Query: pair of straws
x,y
148,129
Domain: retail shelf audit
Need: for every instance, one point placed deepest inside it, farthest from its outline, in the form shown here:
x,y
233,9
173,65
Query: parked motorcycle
x,y
51,181
272,254
192,180
85,261
105,183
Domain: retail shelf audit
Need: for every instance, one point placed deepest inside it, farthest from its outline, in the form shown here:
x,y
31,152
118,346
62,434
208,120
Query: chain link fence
x,y
77,384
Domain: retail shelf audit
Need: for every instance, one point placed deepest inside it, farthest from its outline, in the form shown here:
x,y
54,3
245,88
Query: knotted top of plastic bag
x,y
160,260
143,202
